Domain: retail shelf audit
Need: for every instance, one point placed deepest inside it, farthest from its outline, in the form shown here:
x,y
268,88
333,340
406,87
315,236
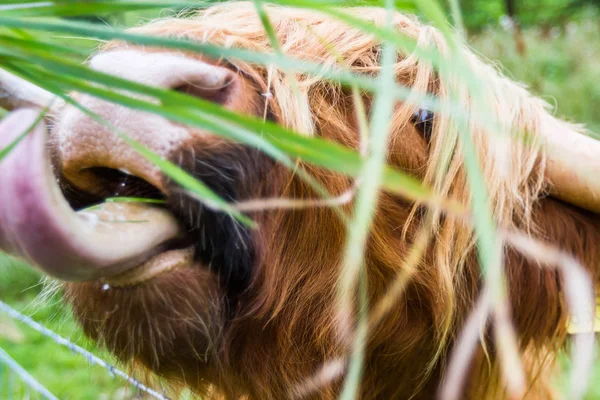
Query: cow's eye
x,y
423,120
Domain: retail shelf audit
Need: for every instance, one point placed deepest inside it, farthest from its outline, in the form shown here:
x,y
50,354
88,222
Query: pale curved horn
x,y
17,93
573,164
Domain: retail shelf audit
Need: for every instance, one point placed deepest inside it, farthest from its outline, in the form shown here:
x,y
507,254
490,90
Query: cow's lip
x,y
37,223
159,264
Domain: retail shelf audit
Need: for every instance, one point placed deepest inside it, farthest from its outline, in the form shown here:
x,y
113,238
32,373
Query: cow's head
x,y
191,293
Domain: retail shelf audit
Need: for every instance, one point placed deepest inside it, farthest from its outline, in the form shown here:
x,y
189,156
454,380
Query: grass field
x,y
561,65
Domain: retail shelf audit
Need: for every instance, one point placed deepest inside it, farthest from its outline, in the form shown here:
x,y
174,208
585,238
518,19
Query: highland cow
x,y
230,311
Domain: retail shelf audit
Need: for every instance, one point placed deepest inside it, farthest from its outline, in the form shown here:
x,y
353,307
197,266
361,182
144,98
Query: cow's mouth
x,y
128,192
123,243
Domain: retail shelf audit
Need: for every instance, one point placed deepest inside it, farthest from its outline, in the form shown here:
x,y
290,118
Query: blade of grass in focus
x,y
193,185
133,200
71,52
69,9
272,139
37,8
44,82
287,63
187,181
217,52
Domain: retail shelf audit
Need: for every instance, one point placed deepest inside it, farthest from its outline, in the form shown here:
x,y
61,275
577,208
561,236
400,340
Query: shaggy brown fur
x,y
281,329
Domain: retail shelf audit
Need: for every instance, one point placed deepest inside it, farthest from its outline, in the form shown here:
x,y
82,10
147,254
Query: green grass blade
x,y
217,52
341,76
51,48
70,9
432,10
133,200
187,181
457,17
193,185
204,121
266,22
5,151
273,138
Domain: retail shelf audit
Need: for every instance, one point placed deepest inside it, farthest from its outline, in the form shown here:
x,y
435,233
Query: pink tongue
x,y
37,224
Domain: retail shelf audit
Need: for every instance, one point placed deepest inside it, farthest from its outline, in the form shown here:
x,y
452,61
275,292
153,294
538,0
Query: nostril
x,y
119,183
110,183
215,90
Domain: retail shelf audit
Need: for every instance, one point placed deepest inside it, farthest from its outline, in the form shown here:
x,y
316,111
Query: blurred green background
x,y
553,46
